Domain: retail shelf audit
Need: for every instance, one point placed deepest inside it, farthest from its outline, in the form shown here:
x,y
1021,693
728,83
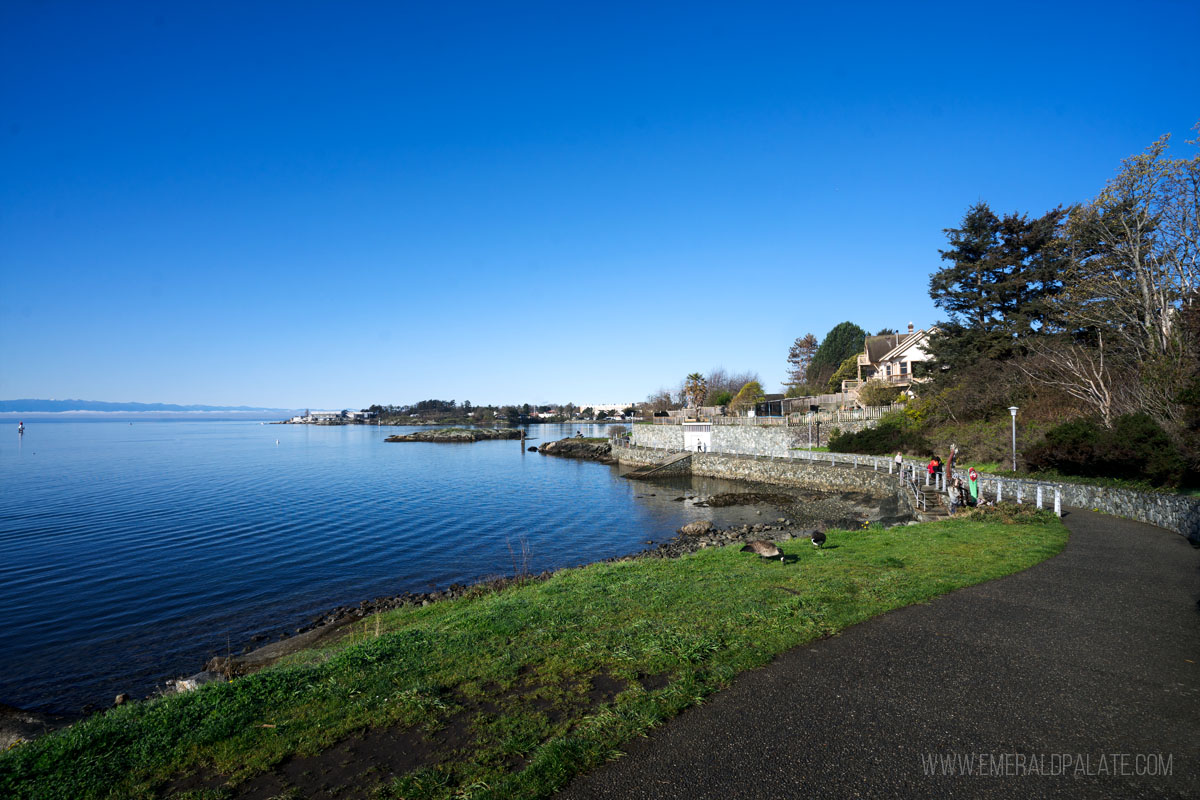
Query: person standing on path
x,y
899,461
954,493
973,485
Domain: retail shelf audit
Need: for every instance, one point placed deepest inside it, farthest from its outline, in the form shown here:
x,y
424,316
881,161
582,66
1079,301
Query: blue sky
x,y
335,204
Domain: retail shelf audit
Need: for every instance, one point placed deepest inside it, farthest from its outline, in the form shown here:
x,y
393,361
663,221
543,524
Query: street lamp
x,y
1013,410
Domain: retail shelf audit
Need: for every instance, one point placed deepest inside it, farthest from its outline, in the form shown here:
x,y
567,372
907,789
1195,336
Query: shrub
x,y
894,432
878,393
1136,447
750,394
719,398
1010,514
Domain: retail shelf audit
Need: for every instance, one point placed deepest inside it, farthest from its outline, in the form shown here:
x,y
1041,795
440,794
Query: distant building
x,y
772,405
611,408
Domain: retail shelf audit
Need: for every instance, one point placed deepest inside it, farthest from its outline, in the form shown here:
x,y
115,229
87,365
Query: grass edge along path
x,y
517,672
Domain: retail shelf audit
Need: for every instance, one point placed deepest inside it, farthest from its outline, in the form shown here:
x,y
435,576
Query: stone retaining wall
x,y
786,472
817,475
765,440
664,437
1171,511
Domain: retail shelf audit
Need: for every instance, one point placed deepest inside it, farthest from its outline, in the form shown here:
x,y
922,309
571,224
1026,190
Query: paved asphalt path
x,y
1092,653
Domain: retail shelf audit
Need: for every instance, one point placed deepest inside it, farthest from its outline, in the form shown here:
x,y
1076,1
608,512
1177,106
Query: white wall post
x,y
1019,488
999,491
1057,502
1039,496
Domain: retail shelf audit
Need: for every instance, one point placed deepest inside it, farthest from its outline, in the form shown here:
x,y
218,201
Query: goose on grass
x,y
764,549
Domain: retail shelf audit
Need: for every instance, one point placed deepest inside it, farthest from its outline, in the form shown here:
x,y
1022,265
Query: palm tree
x,y
695,388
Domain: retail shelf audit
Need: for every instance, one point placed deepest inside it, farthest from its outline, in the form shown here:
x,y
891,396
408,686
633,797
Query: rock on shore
x,y
457,435
579,448
17,725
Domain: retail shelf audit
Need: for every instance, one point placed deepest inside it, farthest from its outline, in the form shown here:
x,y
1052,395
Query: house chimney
x,y
910,329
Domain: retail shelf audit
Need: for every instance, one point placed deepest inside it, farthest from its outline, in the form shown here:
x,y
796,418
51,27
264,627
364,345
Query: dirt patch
x,y
603,689
356,766
650,683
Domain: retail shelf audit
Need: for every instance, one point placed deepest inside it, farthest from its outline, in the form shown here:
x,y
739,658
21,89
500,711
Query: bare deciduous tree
x,y
1079,370
1115,341
659,401
1135,253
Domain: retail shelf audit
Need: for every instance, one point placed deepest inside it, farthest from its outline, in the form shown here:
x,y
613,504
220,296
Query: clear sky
x,y
334,204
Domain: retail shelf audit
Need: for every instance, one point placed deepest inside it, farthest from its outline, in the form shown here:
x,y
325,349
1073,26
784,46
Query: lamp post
x,y
1013,410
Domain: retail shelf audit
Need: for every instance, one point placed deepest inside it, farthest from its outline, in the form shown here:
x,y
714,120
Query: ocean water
x,y
131,553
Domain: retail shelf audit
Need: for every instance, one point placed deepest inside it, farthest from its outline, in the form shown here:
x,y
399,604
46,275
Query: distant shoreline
x,y
14,417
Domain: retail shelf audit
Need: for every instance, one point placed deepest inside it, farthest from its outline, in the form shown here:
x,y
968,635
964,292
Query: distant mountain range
x,y
44,406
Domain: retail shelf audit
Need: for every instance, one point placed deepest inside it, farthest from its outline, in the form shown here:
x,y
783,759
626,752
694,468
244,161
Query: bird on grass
x,y
818,538
764,549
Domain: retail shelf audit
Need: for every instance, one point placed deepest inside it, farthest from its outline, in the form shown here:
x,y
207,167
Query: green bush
x,y
894,432
848,370
719,398
1010,514
1136,447
878,393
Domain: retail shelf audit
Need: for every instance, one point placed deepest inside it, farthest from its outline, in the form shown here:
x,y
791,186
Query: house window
x,y
903,367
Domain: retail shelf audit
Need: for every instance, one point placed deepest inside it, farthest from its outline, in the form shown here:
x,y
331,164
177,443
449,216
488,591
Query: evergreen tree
x,y
799,357
847,370
695,388
997,285
844,340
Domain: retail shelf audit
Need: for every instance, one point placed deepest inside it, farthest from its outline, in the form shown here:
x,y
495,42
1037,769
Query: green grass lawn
x,y
509,694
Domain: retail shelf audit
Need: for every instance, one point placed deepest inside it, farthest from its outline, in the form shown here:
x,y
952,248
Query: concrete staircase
x,y
934,507
647,470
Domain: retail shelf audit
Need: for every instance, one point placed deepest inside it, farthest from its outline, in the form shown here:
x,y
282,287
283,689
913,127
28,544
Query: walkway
x,y
1092,653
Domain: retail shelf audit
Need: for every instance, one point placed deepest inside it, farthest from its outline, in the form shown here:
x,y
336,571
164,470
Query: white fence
x,y
993,487
792,419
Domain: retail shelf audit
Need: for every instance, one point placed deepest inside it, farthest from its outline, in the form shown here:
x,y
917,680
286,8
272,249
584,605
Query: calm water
x,y
132,553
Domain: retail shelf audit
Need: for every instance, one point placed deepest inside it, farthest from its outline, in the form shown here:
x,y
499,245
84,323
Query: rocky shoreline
x,y
454,435
580,448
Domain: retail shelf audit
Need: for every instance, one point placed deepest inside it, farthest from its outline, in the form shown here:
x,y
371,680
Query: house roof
x,y
905,342
879,346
